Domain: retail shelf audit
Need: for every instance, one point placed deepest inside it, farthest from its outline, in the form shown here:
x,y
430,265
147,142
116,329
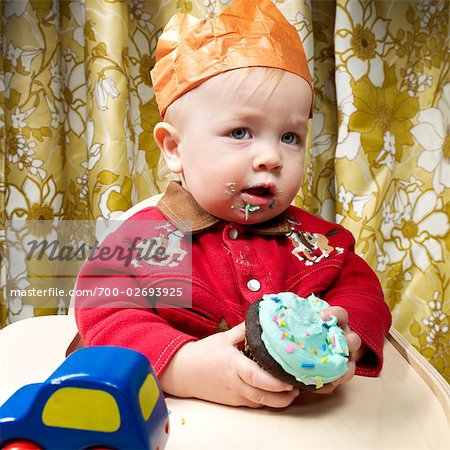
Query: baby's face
x,y
242,150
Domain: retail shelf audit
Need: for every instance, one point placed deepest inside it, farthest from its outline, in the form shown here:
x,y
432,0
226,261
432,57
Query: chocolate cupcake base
x,y
255,349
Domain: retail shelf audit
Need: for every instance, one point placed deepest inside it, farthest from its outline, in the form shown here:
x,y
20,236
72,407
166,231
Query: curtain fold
x,y
77,113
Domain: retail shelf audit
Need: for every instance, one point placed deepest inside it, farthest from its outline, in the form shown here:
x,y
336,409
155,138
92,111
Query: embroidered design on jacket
x,y
312,247
165,249
171,243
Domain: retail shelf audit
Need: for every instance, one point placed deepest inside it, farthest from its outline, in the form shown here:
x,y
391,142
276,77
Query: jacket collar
x,y
180,208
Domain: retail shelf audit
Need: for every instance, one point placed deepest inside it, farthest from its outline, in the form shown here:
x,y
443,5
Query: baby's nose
x,y
268,158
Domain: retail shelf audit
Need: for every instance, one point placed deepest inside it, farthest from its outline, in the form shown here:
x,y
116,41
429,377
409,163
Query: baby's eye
x,y
290,138
240,133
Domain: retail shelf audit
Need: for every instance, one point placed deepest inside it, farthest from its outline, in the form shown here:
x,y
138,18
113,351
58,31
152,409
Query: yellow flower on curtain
x,y
32,211
115,199
20,151
20,59
382,117
436,321
32,201
362,40
413,223
137,12
349,203
433,133
104,89
431,332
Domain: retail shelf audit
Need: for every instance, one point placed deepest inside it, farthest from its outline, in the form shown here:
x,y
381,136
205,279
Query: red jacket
x,y
232,266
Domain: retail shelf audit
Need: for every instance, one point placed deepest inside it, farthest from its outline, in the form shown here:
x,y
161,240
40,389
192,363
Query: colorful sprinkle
x,y
183,421
290,348
314,351
307,333
283,335
283,323
324,359
307,365
292,337
333,341
250,208
282,314
275,319
319,386
301,345
324,347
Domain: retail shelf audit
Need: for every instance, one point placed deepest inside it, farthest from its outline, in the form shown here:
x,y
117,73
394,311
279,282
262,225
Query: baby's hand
x,y
214,369
355,346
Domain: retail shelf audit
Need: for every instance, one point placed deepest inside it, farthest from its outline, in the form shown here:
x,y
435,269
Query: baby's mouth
x,y
258,195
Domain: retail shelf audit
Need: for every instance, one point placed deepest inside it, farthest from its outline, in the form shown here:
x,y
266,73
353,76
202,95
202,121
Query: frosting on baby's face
x,y
240,151
307,347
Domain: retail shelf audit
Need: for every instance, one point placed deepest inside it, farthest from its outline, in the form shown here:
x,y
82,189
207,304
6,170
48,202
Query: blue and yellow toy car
x,y
99,397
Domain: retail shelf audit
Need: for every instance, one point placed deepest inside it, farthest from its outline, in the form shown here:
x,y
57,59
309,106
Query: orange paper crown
x,y
249,33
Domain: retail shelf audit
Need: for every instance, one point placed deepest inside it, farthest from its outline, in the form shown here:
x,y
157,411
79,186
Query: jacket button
x,y
233,233
254,285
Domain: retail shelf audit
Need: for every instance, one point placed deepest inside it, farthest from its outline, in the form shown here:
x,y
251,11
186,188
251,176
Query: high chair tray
x,y
407,407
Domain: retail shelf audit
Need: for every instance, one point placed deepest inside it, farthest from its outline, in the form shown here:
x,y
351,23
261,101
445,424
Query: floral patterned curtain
x,y
77,113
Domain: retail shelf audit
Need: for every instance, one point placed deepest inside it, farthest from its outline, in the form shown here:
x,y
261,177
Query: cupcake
x,y
287,337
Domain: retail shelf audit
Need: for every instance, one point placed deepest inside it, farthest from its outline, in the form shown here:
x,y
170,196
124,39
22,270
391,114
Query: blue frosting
x,y
310,349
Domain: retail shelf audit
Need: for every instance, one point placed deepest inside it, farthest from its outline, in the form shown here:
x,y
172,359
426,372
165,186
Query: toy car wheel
x,y
21,445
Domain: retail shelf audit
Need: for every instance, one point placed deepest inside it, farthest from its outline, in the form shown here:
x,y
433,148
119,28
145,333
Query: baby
x,y
235,94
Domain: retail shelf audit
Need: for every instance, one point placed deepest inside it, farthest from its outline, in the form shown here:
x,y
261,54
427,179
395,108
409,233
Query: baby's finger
x,y
338,312
265,398
236,335
330,387
253,375
353,342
